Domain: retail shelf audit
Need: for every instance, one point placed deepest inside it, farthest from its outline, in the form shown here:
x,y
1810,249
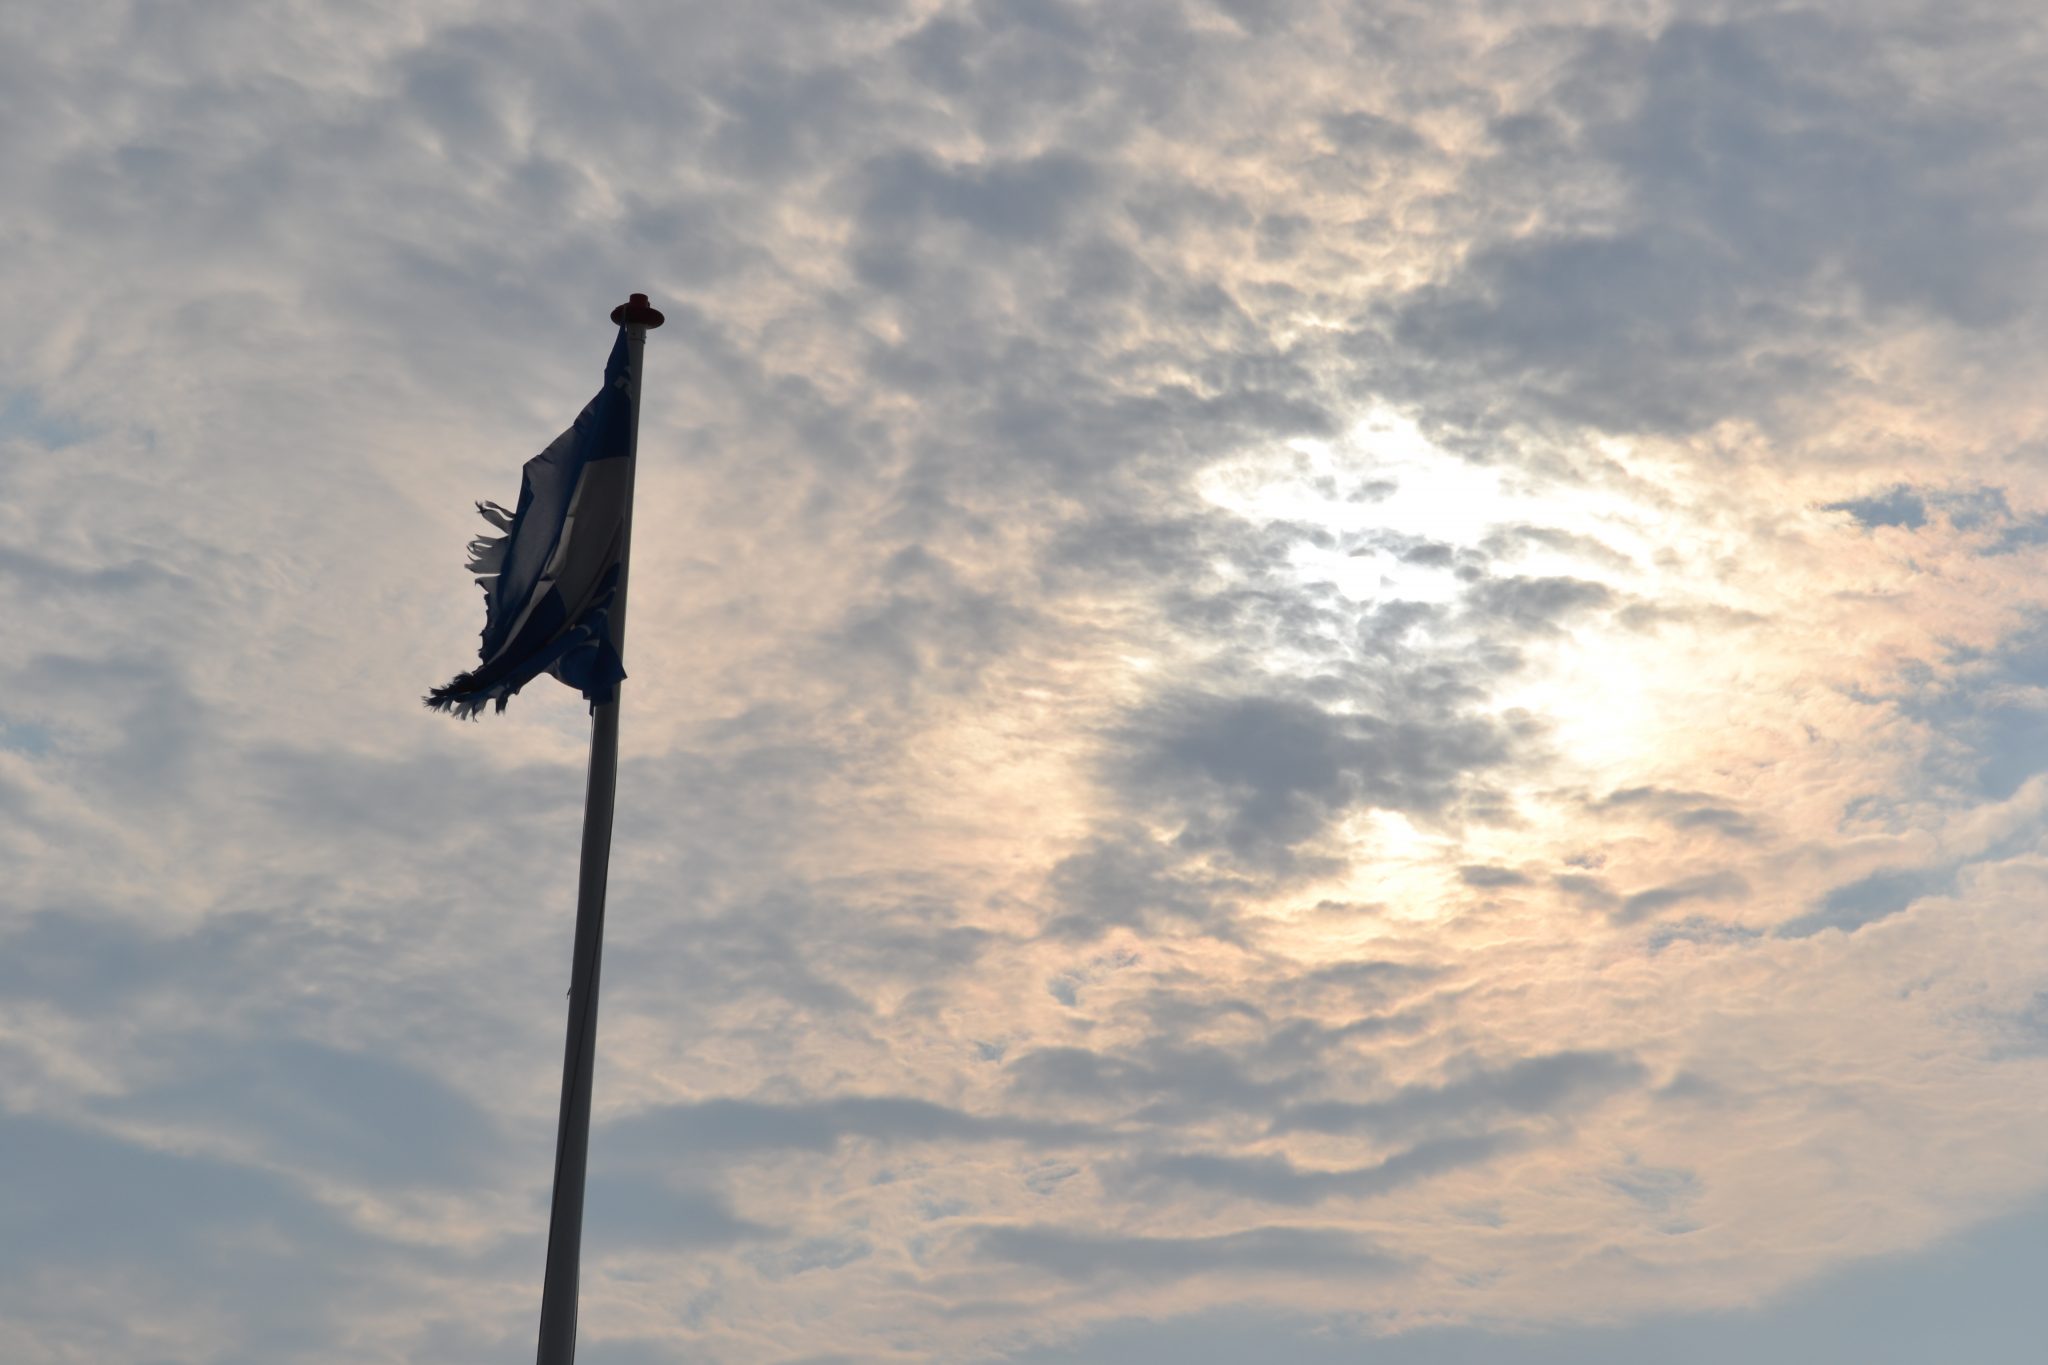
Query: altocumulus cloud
x,y
1377,662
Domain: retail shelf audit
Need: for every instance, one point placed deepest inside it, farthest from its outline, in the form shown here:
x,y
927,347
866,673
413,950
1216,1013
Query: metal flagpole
x,y
572,1136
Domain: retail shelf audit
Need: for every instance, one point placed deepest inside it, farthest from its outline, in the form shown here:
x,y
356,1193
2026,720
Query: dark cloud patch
x,y
1866,900
644,1351
1309,618
94,962
98,1198
1126,878
89,1204
1650,616
1719,885
1262,16
1281,236
1588,890
781,947
1682,810
1900,506
206,1011
1989,725
1005,65
371,796
1360,130
2025,1030
1430,554
45,577
24,416
1021,202
1536,605
1967,509
1186,1012
637,1209
1161,1082
1309,1043
2023,535
130,720
1364,982
328,1112
1741,148
1508,541
1184,556
1972,508
1284,766
1277,1180
928,630
1664,1193
737,1128
1486,878
1577,325
1421,551
1208,1059
1595,893
1129,546
1165,207
1256,776
777,121
1738,130
1547,1086
812,1253
1697,929
1080,1256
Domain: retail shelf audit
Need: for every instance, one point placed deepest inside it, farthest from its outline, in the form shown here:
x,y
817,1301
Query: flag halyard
x,y
551,573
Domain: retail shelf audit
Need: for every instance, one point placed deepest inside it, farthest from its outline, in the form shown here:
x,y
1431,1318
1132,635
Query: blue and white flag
x,y
551,579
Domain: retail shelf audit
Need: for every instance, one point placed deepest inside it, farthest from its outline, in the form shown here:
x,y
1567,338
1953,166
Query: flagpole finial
x,y
637,312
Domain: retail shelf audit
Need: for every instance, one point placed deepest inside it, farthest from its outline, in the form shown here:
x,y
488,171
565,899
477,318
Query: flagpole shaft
x,y
579,1058
572,1135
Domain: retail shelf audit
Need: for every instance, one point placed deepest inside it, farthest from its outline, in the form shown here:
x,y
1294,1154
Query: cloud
x,y
741,1128
624,1209
1537,604
1162,1083
1122,877
1277,1180
1536,1086
1706,290
1022,201
1683,810
1491,878
328,1111
1223,592
1868,899
1262,1251
1709,886
817,1253
1900,506
1260,775
97,1205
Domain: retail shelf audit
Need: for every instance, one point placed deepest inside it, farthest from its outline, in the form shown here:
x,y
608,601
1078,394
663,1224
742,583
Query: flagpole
x,y
572,1134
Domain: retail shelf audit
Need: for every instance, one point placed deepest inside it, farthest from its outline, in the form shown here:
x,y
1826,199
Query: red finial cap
x,y
637,312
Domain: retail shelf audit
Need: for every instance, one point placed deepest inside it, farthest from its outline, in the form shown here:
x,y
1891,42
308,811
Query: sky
x,y
1309,681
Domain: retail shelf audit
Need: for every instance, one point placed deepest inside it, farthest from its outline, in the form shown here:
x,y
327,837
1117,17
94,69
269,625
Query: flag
x,y
551,579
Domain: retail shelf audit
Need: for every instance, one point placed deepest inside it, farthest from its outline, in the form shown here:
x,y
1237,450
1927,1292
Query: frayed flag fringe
x,y
487,555
456,698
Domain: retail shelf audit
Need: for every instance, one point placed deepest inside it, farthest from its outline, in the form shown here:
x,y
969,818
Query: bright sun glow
x,y
1411,521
